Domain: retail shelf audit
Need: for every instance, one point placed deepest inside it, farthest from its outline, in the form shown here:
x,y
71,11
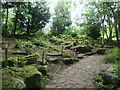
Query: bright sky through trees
x,y
77,7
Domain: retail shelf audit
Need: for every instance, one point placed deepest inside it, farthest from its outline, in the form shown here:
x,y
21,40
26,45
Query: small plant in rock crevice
x,y
68,53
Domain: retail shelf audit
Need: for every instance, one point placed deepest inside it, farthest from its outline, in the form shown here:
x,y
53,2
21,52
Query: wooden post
x,y
6,52
43,54
62,51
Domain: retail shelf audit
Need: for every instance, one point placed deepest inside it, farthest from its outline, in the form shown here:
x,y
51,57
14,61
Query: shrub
x,y
28,47
18,43
39,42
114,55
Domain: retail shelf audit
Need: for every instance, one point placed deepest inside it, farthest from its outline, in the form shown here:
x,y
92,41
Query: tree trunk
x,y
7,18
110,35
16,19
28,28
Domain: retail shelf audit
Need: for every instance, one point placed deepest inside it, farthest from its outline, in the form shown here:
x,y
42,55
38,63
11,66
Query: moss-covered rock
x,y
10,79
82,48
26,77
21,61
100,51
32,77
12,61
70,60
110,78
43,69
32,58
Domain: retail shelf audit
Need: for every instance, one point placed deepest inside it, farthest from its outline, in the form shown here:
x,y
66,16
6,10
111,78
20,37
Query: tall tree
x,y
62,18
33,17
7,5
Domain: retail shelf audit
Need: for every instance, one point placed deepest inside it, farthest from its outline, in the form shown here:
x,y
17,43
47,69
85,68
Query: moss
x,y
43,69
44,62
10,78
32,77
12,61
21,61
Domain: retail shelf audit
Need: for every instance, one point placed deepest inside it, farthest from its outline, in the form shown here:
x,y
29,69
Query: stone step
x,y
90,53
53,54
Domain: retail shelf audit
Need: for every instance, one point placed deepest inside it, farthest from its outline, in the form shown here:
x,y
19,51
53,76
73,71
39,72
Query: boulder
x,y
29,59
11,80
82,48
19,84
32,77
100,51
54,54
70,60
11,62
110,78
26,77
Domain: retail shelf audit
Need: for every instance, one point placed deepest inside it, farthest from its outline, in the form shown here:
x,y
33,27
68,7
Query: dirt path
x,y
81,74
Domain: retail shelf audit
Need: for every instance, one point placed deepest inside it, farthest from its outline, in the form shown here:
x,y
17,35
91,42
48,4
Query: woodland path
x,y
81,74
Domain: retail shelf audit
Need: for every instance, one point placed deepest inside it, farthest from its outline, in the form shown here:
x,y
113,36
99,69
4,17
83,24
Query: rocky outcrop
x,y
110,77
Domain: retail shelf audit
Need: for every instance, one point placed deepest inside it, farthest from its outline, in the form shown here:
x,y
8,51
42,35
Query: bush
x,y
28,47
18,43
114,55
39,42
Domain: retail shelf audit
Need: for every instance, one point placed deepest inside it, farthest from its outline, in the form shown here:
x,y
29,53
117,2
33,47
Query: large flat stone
x,y
82,48
80,56
53,60
54,54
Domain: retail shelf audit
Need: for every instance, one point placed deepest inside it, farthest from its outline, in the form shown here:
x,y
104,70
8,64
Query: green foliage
x,y
28,46
114,55
53,48
116,70
34,16
12,61
53,39
43,70
26,17
94,31
62,18
15,69
39,42
18,43
101,84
